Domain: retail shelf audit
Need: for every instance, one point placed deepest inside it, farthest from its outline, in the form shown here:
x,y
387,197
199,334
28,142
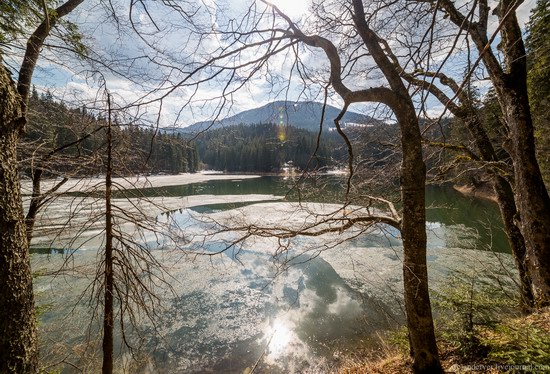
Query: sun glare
x,y
280,339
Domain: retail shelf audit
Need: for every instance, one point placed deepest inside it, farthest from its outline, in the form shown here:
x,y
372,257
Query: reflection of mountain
x,y
306,114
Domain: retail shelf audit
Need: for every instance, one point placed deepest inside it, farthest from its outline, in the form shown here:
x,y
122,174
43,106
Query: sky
x,y
166,33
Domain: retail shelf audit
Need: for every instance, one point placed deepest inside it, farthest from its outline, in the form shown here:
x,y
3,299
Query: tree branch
x,y
34,45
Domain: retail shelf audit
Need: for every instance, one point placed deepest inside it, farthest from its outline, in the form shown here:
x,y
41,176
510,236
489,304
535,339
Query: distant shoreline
x,y
134,182
147,181
484,192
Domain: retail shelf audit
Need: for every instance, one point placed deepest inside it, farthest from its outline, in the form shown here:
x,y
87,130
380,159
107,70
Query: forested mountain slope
x,y
305,115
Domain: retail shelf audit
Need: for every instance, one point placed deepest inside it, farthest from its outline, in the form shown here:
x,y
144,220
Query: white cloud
x,y
154,70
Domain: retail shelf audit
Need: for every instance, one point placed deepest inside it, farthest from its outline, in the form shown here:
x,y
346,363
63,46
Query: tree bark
x,y
32,53
18,341
34,45
532,198
506,203
108,313
510,83
505,195
413,233
34,205
413,189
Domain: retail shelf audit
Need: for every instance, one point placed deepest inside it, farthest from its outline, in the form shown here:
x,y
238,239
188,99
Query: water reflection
x,y
224,315
280,336
444,205
447,207
229,310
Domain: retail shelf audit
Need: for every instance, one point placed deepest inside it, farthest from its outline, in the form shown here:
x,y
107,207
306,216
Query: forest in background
x,y
65,141
267,148
72,140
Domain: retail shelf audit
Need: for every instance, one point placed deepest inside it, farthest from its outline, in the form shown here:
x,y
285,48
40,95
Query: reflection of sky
x,y
220,307
225,313
291,314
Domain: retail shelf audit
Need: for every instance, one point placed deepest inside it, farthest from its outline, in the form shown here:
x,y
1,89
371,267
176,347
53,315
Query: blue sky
x,y
77,81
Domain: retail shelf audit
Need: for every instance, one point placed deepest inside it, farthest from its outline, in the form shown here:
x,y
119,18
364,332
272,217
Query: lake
x,y
252,305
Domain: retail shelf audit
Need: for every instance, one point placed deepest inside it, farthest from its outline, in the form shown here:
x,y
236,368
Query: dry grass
x,y
392,358
398,363
540,319
394,361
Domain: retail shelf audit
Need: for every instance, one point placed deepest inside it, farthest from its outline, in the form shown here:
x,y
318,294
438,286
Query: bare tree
x,y
126,275
108,313
43,155
18,344
484,157
509,78
19,352
349,34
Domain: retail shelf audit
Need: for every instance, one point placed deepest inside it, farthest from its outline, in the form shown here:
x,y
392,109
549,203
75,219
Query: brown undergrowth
x,y
513,345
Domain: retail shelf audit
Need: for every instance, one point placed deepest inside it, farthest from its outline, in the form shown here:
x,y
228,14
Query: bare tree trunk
x,y
531,195
413,189
503,189
32,53
108,318
18,342
510,83
413,232
34,45
532,198
507,205
34,205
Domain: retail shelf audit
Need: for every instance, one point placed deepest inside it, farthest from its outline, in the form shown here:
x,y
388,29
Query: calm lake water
x,y
445,206
228,312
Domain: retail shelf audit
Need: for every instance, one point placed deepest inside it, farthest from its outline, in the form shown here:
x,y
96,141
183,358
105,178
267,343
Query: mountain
x,y
304,114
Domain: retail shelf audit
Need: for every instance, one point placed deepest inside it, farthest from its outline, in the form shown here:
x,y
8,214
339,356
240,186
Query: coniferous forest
x,y
267,148
63,140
